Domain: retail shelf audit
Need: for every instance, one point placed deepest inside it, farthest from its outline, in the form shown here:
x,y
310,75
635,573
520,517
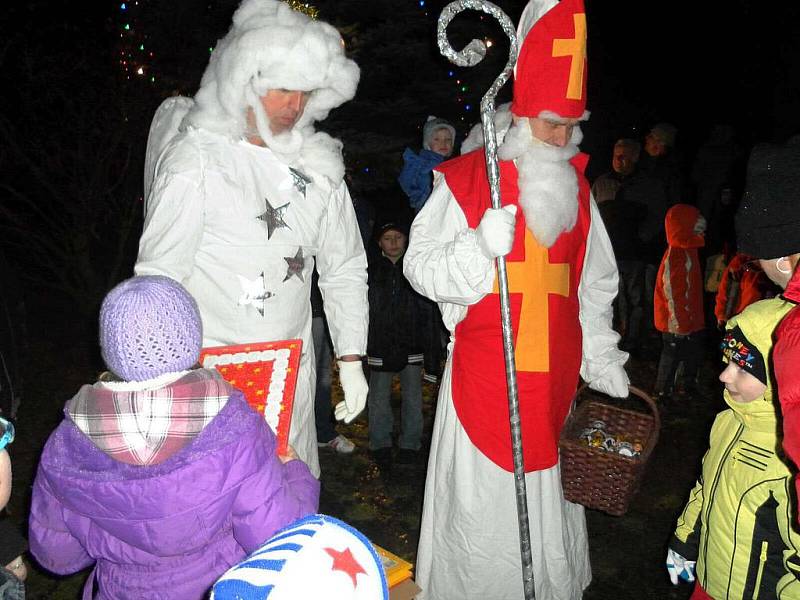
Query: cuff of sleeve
x,y
478,270
686,550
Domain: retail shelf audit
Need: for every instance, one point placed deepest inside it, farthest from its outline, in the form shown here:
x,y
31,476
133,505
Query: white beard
x,y
548,184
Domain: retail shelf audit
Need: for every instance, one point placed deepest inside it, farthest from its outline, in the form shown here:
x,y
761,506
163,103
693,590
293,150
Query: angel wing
x,y
165,125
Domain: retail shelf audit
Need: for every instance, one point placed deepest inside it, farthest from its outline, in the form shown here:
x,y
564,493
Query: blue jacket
x,y
415,178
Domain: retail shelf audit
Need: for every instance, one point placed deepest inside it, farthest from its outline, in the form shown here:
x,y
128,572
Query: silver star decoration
x,y
301,180
296,264
273,217
254,293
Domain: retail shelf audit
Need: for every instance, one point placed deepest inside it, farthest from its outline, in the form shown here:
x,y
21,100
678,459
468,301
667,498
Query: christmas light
x,y
122,6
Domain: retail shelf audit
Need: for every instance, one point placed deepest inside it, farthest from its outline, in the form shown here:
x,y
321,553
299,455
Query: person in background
x,y
737,525
625,194
438,143
623,164
768,227
12,545
160,476
661,161
678,301
743,282
403,340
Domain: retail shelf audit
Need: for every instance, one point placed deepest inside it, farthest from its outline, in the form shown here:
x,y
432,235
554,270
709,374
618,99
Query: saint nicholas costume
x,y
241,225
562,281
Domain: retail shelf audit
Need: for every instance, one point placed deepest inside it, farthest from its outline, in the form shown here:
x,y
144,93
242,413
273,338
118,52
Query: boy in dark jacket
x,y
403,337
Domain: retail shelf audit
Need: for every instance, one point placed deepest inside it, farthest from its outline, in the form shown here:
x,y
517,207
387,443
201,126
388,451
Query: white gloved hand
x,y
355,388
679,568
495,232
614,382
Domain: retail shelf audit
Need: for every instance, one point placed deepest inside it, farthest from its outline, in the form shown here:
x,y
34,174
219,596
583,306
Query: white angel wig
x,y
270,47
502,121
548,185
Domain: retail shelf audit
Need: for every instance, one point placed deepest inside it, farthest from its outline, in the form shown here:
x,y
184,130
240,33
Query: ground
x,y
627,552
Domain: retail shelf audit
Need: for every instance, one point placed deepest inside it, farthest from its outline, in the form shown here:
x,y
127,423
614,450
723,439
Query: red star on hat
x,y
345,561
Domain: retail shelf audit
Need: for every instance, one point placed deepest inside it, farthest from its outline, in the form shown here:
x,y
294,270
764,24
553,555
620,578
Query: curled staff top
x,y
472,54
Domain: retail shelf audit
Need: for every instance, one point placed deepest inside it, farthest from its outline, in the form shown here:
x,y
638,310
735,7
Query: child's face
x,y
741,385
442,142
392,244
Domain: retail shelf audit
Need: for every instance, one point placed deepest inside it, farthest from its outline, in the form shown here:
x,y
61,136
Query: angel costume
x,y
239,224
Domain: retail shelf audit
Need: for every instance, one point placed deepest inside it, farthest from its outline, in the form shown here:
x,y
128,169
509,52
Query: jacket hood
x,y
680,223
758,322
150,508
792,291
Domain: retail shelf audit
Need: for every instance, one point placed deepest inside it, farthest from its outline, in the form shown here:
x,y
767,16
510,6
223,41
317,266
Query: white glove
x,y
355,388
495,232
614,382
679,568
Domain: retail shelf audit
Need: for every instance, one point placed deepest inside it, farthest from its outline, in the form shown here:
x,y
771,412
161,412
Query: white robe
x,y
469,541
208,225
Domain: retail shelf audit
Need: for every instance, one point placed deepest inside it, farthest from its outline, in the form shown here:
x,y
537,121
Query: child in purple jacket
x,y
165,479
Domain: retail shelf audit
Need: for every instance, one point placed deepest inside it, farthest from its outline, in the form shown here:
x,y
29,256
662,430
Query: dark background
x,y
74,112
74,117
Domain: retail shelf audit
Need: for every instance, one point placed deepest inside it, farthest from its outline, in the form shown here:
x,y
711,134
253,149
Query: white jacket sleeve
x,y
444,261
598,288
173,227
342,267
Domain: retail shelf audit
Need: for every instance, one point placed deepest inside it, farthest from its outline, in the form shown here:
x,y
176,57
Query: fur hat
x,y
767,222
550,74
149,325
270,46
315,557
432,125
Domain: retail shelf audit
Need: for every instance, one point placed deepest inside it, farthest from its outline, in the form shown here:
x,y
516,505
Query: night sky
x,y
694,64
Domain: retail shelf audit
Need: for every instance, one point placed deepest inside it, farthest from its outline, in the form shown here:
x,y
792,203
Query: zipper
x,y
762,560
713,492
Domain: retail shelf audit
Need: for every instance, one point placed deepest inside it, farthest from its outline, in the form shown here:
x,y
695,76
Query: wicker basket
x,y
600,479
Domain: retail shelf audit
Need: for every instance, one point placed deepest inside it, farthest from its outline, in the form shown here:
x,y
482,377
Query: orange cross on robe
x,y
576,49
535,278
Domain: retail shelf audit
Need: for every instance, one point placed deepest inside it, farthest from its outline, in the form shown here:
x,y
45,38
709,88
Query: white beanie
x,y
432,125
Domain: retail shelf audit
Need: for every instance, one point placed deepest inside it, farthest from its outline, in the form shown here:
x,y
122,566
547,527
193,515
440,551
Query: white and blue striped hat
x,y
314,557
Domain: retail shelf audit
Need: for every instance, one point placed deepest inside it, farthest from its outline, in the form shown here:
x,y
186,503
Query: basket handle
x,y
651,404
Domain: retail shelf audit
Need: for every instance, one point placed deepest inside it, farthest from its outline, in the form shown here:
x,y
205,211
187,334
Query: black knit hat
x,y
768,219
385,223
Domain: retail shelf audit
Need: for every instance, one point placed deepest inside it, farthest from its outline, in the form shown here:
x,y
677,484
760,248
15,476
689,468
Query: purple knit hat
x,y
149,325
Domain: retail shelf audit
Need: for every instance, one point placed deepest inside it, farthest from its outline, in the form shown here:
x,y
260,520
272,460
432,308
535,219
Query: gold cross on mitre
x,y
576,49
535,278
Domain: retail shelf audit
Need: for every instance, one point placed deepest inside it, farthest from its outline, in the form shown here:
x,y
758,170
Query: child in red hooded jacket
x,y
678,300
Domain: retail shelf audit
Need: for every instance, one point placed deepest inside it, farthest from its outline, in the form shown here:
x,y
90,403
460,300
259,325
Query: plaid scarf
x,y
147,426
